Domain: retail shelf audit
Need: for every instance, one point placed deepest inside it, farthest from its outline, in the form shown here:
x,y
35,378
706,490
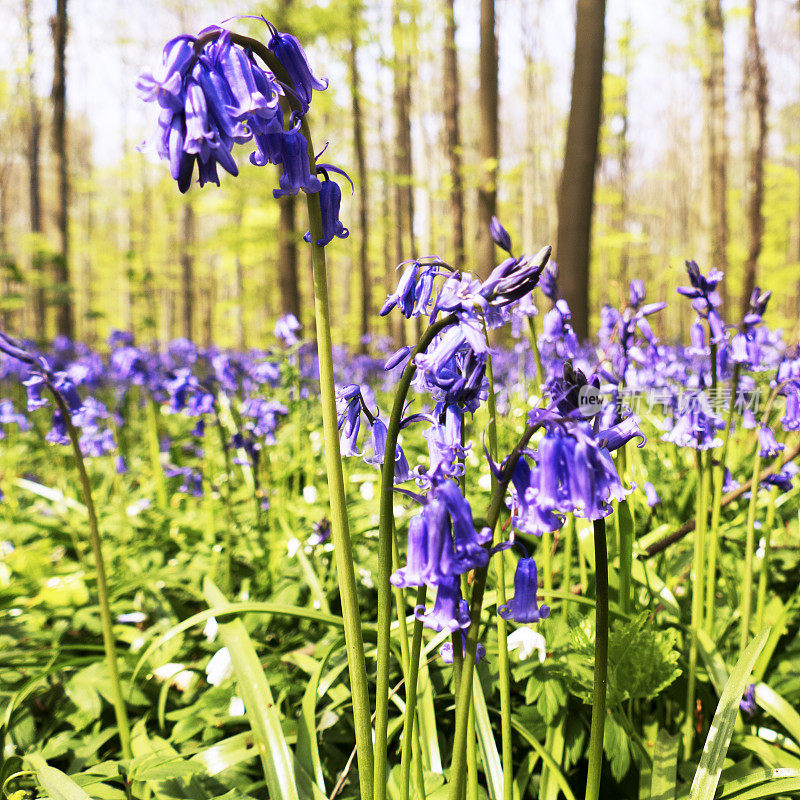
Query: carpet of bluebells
x,y
209,463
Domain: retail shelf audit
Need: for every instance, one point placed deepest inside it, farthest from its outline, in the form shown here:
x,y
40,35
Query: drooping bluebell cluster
x,y
214,91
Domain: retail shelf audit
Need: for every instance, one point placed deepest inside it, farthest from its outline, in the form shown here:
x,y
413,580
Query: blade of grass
x,y
259,705
56,784
704,785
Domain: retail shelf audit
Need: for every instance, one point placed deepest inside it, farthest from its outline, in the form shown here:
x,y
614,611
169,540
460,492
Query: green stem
x,y
106,623
763,575
567,581
504,671
155,453
698,564
716,506
537,356
747,588
385,557
595,756
411,700
458,765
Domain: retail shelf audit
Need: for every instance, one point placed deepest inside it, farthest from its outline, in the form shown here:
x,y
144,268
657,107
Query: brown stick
x,y
688,527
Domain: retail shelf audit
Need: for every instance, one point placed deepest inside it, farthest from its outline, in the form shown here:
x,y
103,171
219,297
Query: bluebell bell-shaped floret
x,y
9,416
429,557
166,88
783,479
610,321
226,371
696,426
265,415
404,295
790,421
757,308
446,650
295,172
286,329
548,281
768,445
705,298
348,409
514,278
621,433
89,412
288,51
58,430
192,480
378,434
96,442
35,385
66,388
596,481
748,702
330,198
237,67
444,450
268,139
500,235
636,293
527,515
450,612
650,493
397,358
219,100
468,330
128,365
469,551
524,606
460,293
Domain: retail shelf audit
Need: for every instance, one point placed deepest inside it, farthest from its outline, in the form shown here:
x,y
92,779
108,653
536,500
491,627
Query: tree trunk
x,y
755,88
33,152
241,336
453,134
714,141
576,192
489,138
64,313
187,271
361,177
288,278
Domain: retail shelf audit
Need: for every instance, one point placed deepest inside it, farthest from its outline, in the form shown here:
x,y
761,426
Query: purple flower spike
x,y
294,159
288,51
450,612
330,198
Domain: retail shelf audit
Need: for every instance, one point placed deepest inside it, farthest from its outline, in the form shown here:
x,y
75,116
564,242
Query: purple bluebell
x,y
288,51
768,445
500,235
446,650
705,297
330,198
748,702
783,479
514,278
450,612
286,329
348,409
524,606
527,514
651,494
295,173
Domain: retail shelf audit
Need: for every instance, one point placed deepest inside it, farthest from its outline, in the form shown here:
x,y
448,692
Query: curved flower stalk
x,y
70,410
221,88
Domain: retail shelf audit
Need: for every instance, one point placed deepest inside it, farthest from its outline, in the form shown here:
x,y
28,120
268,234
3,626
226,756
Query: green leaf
x,y
704,785
55,783
665,767
616,748
525,734
489,755
259,705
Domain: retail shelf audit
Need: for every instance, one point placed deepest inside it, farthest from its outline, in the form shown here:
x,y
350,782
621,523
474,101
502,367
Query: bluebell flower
x,y
9,416
651,494
527,514
748,701
288,51
514,278
330,198
548,281
348,408
446,650
705,297
790,421
768,445
636,293
783,479
295,172
286,329
524,606
450,612
500,235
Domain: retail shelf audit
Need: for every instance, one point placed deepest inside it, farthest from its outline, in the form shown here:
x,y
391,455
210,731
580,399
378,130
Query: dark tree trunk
x,y
64,312
755,86
451,105
489,138
714,140
288,278
187,272
33,152
361,176
576,192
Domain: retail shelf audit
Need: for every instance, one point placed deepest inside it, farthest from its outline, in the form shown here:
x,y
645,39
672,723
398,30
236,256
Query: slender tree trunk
x,y
452,132
64,312
489,137
361,176
755,88
187,271
33,151
714,140
626,46
288,278
241,336
576,192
